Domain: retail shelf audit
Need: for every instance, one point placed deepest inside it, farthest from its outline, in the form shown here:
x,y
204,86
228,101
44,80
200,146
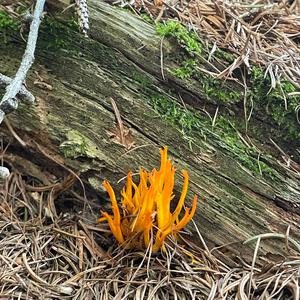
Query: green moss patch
x,y
191,123
280,103
57,35
188,40
7,22
7,26
193,60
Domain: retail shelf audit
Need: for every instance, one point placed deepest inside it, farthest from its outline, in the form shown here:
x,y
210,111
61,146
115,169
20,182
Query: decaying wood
x,y
15,86
234,204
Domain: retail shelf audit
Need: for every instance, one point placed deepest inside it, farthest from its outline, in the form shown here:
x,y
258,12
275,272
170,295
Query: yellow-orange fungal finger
x,y
146,205
163,154
160,238
187,216
182,196
143,181
183,221
158,243
172,180
164,197
116,230
147,231
139,224
126,194
162,214
129,185
102,219
160,175
167,196
111,193
150,202
136,197
127,202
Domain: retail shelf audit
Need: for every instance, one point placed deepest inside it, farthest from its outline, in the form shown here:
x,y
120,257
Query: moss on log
x,y
243,192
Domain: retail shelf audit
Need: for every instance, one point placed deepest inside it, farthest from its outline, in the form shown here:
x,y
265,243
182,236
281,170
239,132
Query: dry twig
x,y
9,101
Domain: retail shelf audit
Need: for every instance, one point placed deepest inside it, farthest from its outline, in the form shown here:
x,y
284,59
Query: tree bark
x,y
73,122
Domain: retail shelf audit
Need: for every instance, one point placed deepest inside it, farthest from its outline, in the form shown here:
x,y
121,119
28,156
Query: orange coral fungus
x,y
146,216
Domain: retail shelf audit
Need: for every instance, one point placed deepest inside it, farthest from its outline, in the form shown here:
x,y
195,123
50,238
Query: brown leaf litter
x,y
45,256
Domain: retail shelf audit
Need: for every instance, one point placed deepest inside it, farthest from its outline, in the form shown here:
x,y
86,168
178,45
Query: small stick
x,y
14,134
23,94
9,101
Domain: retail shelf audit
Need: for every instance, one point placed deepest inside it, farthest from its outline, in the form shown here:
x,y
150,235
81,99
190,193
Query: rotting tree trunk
x,y
73,118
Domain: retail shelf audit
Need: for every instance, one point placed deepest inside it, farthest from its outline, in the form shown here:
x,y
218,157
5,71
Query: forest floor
x,y
52,247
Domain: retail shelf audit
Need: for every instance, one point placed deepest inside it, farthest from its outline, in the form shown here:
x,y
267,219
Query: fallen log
x,y
73,126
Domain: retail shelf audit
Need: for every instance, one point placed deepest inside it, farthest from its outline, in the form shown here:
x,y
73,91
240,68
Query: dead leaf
x,y
127,138
120,134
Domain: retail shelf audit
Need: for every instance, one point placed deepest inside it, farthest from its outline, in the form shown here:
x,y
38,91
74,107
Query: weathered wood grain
x,y
83,74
